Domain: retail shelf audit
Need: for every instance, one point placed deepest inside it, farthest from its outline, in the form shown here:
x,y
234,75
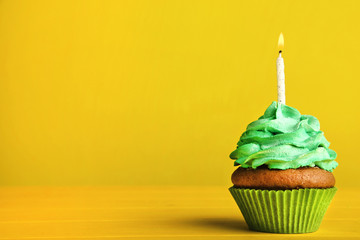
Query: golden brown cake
x,y
264,178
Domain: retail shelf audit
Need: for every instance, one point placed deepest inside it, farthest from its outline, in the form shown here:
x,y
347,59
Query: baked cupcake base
x,y
276,179
283,211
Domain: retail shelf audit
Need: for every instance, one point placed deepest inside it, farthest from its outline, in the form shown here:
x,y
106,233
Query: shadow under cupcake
x,y
284,183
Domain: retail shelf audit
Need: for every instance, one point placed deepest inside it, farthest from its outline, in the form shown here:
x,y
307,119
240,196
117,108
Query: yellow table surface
x,y
149,213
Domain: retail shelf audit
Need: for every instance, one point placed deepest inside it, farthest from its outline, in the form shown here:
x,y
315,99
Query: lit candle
x,y
280,71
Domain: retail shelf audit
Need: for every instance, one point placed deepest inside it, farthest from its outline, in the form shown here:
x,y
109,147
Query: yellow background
x,y
158,92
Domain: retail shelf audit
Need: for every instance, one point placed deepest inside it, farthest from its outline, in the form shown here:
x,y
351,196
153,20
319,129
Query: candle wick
x,y
280,51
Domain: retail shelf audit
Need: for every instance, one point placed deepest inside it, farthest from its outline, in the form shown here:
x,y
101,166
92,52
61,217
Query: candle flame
x,y
281,42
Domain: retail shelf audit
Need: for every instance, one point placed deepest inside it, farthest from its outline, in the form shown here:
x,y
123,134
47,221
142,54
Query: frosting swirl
x,y
283,138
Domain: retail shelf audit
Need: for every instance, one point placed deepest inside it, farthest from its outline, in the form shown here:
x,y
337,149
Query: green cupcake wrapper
x,y
283,211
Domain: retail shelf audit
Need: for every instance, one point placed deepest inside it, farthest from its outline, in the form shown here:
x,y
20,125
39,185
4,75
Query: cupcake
x,y
284,182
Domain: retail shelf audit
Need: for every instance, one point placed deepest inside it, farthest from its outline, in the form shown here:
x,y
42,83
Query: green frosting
x,y
283,138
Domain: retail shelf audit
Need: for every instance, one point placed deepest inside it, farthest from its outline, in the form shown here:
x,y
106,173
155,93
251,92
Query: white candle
x,y
280,67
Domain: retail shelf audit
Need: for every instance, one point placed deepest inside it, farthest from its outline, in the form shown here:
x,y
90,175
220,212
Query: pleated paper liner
x,y
283,211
